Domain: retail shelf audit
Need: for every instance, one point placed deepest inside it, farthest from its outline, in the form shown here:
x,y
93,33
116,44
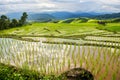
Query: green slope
x,y
89,20
55,29
61,29
74,20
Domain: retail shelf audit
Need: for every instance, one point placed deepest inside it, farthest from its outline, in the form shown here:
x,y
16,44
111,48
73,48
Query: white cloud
x,y
111,1
59,5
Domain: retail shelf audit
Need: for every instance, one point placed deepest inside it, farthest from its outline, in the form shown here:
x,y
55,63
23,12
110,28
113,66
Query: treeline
x,y
6,23
116,20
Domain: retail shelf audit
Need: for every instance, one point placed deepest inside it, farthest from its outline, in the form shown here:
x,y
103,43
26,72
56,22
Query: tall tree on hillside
x,y
23,19
4,22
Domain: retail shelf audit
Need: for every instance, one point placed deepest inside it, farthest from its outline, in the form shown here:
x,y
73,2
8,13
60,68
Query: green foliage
x,y
74,20
67,20
89,20
6,23
117,20
110,27
11,73
80,20
92,21
14,23
22,21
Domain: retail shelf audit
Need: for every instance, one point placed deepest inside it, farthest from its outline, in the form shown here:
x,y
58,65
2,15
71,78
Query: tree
x,y
14,23
4,22
3,17
23,19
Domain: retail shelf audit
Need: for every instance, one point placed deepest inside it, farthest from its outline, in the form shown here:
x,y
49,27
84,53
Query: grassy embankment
x,y
61,29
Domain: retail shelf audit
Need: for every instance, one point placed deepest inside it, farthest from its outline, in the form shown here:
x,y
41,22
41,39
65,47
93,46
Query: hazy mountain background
x,y
50,16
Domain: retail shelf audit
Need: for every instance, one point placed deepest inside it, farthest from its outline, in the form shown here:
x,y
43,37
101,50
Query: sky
x,y
11,6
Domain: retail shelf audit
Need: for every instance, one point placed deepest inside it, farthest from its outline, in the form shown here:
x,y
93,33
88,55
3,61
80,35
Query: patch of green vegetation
x,y
64,29
116,20
67,20
112,27
61,29
74,20
12,73
85,20
80,20
92,21
8,72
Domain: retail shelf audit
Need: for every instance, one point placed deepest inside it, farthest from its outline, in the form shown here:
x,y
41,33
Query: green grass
x,y
113,27
61,29
74,20
65,29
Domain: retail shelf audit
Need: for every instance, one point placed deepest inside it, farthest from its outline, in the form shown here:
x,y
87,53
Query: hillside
x,y
60,29
89,20
108,16
74,20
54,29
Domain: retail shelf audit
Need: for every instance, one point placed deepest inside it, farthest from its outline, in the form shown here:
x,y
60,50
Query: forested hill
x,y
108,16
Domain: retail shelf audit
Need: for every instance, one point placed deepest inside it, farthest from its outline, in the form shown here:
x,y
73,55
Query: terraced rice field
x,y
107,39
76,45
100,55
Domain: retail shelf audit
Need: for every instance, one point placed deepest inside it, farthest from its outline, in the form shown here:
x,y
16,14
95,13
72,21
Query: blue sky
x,y
9,6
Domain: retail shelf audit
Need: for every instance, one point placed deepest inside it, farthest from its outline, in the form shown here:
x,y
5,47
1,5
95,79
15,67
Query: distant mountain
x,y
63,15
66,15
89,14
108,16
52,16
41,17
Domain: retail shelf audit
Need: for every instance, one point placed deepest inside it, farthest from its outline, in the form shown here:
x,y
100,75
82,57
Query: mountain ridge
x,y
108,16
62,15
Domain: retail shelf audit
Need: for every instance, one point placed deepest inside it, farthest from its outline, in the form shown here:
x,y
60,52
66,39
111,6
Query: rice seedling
x,y
114,76
99,38
60,57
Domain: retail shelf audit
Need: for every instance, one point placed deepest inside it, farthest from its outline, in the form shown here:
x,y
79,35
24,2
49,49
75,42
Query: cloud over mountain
x,y
7,6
